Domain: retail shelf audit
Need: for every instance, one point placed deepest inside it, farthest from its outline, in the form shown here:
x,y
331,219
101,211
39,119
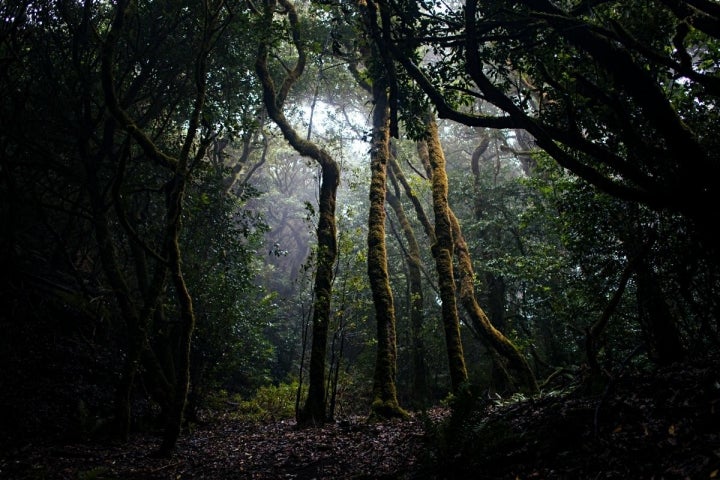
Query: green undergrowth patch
x,y
269,403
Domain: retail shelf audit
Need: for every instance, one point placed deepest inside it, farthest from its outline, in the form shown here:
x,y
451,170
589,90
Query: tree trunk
x,y
421,387
442,250
507,356
496,303
175,196
592,335
314,410
496,300
656,320
116,279
178,401
519,375
385,402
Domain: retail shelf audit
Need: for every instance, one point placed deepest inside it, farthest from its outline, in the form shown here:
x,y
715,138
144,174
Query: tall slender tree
x,y
510,362
314,409
623,106
415,297
443,252
385,401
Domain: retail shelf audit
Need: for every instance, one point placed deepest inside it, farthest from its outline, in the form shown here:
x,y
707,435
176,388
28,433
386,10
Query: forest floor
x,y
662,425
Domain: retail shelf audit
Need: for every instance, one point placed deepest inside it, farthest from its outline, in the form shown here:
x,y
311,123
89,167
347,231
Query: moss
x,y
386,356
385,409
517,370
443,253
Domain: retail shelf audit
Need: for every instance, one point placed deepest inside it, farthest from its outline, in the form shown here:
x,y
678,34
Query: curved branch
x,y
107,55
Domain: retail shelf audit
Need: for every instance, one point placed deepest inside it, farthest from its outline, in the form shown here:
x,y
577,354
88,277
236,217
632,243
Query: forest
x,y
359,239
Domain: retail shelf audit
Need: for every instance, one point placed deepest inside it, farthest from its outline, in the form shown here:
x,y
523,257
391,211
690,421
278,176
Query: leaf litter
x,y
662,424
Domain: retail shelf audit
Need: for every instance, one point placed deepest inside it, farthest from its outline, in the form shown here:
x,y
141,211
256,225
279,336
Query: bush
x,y
270,403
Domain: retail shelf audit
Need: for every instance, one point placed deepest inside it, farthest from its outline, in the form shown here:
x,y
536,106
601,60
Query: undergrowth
x,y
269,403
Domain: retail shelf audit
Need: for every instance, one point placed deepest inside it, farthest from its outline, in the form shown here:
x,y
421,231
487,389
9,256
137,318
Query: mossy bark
x,y
656,319
592,335
128,309
658,322
500,380
178,400
175,197
314,410
385,402
443,250
508,359
419,210
136,312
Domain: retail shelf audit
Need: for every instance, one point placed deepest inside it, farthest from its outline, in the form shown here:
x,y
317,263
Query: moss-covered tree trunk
x,y
506,356
442,251
592,335
314,410
385,402
175,197
658,322
176,410
136,311
656,319
417,204
128,309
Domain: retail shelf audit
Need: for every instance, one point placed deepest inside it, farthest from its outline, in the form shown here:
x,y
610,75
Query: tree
x,y
132,109
415,297
619,102
314,410
385,401
443,250
231,349
560,88
190,152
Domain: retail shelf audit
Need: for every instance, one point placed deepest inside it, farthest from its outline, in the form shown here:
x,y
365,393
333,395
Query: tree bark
x,y
657,321
443,250
507,357
175,196
385,403
520,377
128,309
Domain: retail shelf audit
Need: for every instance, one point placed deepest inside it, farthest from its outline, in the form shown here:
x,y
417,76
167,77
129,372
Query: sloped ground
x,y
659,425
663,425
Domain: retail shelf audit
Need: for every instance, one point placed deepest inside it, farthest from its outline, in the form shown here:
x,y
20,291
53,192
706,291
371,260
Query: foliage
x,y
86,207
624,176
632,430
222,238
622,103
269,402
